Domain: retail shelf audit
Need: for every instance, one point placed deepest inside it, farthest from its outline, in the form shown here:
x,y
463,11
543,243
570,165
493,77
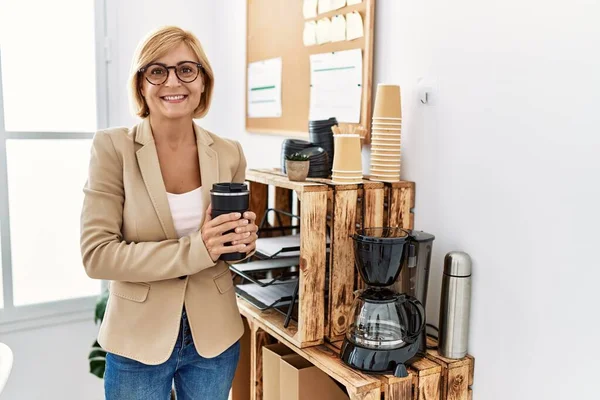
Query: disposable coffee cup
x,y
387,102
228,197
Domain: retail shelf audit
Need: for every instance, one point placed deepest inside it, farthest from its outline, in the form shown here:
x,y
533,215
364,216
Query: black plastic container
x,y
379,253
227,198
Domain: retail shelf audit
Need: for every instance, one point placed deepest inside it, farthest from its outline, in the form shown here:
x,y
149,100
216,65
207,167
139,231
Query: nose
x,y
172,79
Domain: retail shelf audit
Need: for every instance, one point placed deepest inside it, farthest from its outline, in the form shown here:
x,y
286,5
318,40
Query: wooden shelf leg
x,y
311,313
373,208
341,280
401,202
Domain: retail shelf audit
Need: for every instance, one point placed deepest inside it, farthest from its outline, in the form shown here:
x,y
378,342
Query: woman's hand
x,y
243,239
250,231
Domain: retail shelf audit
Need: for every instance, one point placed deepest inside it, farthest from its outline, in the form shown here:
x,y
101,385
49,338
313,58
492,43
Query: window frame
x,y
65,311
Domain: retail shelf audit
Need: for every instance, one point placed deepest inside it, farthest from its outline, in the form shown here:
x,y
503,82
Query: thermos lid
x,y
457,263
229,189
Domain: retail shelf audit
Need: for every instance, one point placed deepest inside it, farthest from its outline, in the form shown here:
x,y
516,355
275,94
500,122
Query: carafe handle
x,y
416,319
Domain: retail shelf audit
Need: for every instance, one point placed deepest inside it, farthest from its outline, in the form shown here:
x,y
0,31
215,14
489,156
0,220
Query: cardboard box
x,y
272,355
300,380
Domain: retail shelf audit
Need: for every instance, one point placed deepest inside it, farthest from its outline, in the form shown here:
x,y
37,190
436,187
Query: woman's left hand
x,y
250,230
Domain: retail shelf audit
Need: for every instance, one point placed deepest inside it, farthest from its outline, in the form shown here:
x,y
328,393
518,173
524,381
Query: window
x,y
52,100
48,65
1,278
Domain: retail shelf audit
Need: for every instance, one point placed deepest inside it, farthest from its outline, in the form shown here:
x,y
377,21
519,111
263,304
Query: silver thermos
x,y
455,305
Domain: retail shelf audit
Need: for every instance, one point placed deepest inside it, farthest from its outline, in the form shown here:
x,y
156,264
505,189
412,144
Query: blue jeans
x,y
195,377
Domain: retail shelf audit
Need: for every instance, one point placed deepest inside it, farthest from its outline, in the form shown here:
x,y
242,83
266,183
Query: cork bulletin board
x,y
275,29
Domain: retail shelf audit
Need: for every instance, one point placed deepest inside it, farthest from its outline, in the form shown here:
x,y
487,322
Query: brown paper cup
x,y
337,179
385,119
347,174
385,140
347,155
385,150
386,122
383,179
379,144
397,136
387,102
385,175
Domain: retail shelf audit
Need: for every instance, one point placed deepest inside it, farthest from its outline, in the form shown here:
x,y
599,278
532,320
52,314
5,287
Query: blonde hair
x,y
155,45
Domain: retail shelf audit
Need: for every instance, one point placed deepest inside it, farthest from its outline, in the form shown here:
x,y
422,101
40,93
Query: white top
x,y
187,211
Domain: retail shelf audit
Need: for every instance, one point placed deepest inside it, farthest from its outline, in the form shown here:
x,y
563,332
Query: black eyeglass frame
x,y
165,66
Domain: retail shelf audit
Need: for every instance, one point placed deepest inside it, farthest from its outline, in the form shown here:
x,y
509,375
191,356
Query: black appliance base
x,y
378,361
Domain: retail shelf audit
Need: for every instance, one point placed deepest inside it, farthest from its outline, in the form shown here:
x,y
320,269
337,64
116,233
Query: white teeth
x,y
180,97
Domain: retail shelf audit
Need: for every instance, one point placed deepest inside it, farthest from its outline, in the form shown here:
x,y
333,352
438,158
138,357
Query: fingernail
x,y
245,222
237,215
247,234
238,230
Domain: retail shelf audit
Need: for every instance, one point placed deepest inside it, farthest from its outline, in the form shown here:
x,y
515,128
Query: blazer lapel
x,y
149,166
209,163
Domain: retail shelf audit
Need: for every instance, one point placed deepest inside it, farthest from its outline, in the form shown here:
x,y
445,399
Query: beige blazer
x,y
128,237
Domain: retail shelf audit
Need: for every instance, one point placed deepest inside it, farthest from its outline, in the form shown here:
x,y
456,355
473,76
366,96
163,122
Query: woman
x,y
172,315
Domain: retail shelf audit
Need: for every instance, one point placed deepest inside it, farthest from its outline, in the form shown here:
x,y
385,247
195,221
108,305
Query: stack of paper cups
x,y
347,161
385,134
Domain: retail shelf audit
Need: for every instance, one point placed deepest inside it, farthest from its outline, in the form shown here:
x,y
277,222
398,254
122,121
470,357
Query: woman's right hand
x,y
212,233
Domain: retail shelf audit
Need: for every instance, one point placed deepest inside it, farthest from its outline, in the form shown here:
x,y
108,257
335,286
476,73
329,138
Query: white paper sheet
x,y
309,8
324,6
353,2
336,4
338,28
309,36
354,26
336,85
264,89
323,31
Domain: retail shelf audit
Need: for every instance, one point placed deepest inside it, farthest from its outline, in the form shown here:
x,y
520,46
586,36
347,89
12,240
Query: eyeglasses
x,y
158,73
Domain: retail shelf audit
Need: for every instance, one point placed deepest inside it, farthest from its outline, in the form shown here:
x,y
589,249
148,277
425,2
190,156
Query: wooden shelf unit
x,y
316,336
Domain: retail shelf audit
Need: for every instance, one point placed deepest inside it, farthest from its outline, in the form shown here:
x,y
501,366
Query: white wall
x,y
129,21
502,158
51,363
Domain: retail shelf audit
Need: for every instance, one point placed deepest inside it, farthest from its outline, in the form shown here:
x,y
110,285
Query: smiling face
x,y
173,99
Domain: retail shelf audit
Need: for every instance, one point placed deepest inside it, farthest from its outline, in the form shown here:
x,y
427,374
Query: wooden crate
x,y
348,205
399,201
423,382
457,375
369,204
310,328
325,357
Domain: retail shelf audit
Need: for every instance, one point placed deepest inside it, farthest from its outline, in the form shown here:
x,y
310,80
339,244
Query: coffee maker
x,y
387,321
